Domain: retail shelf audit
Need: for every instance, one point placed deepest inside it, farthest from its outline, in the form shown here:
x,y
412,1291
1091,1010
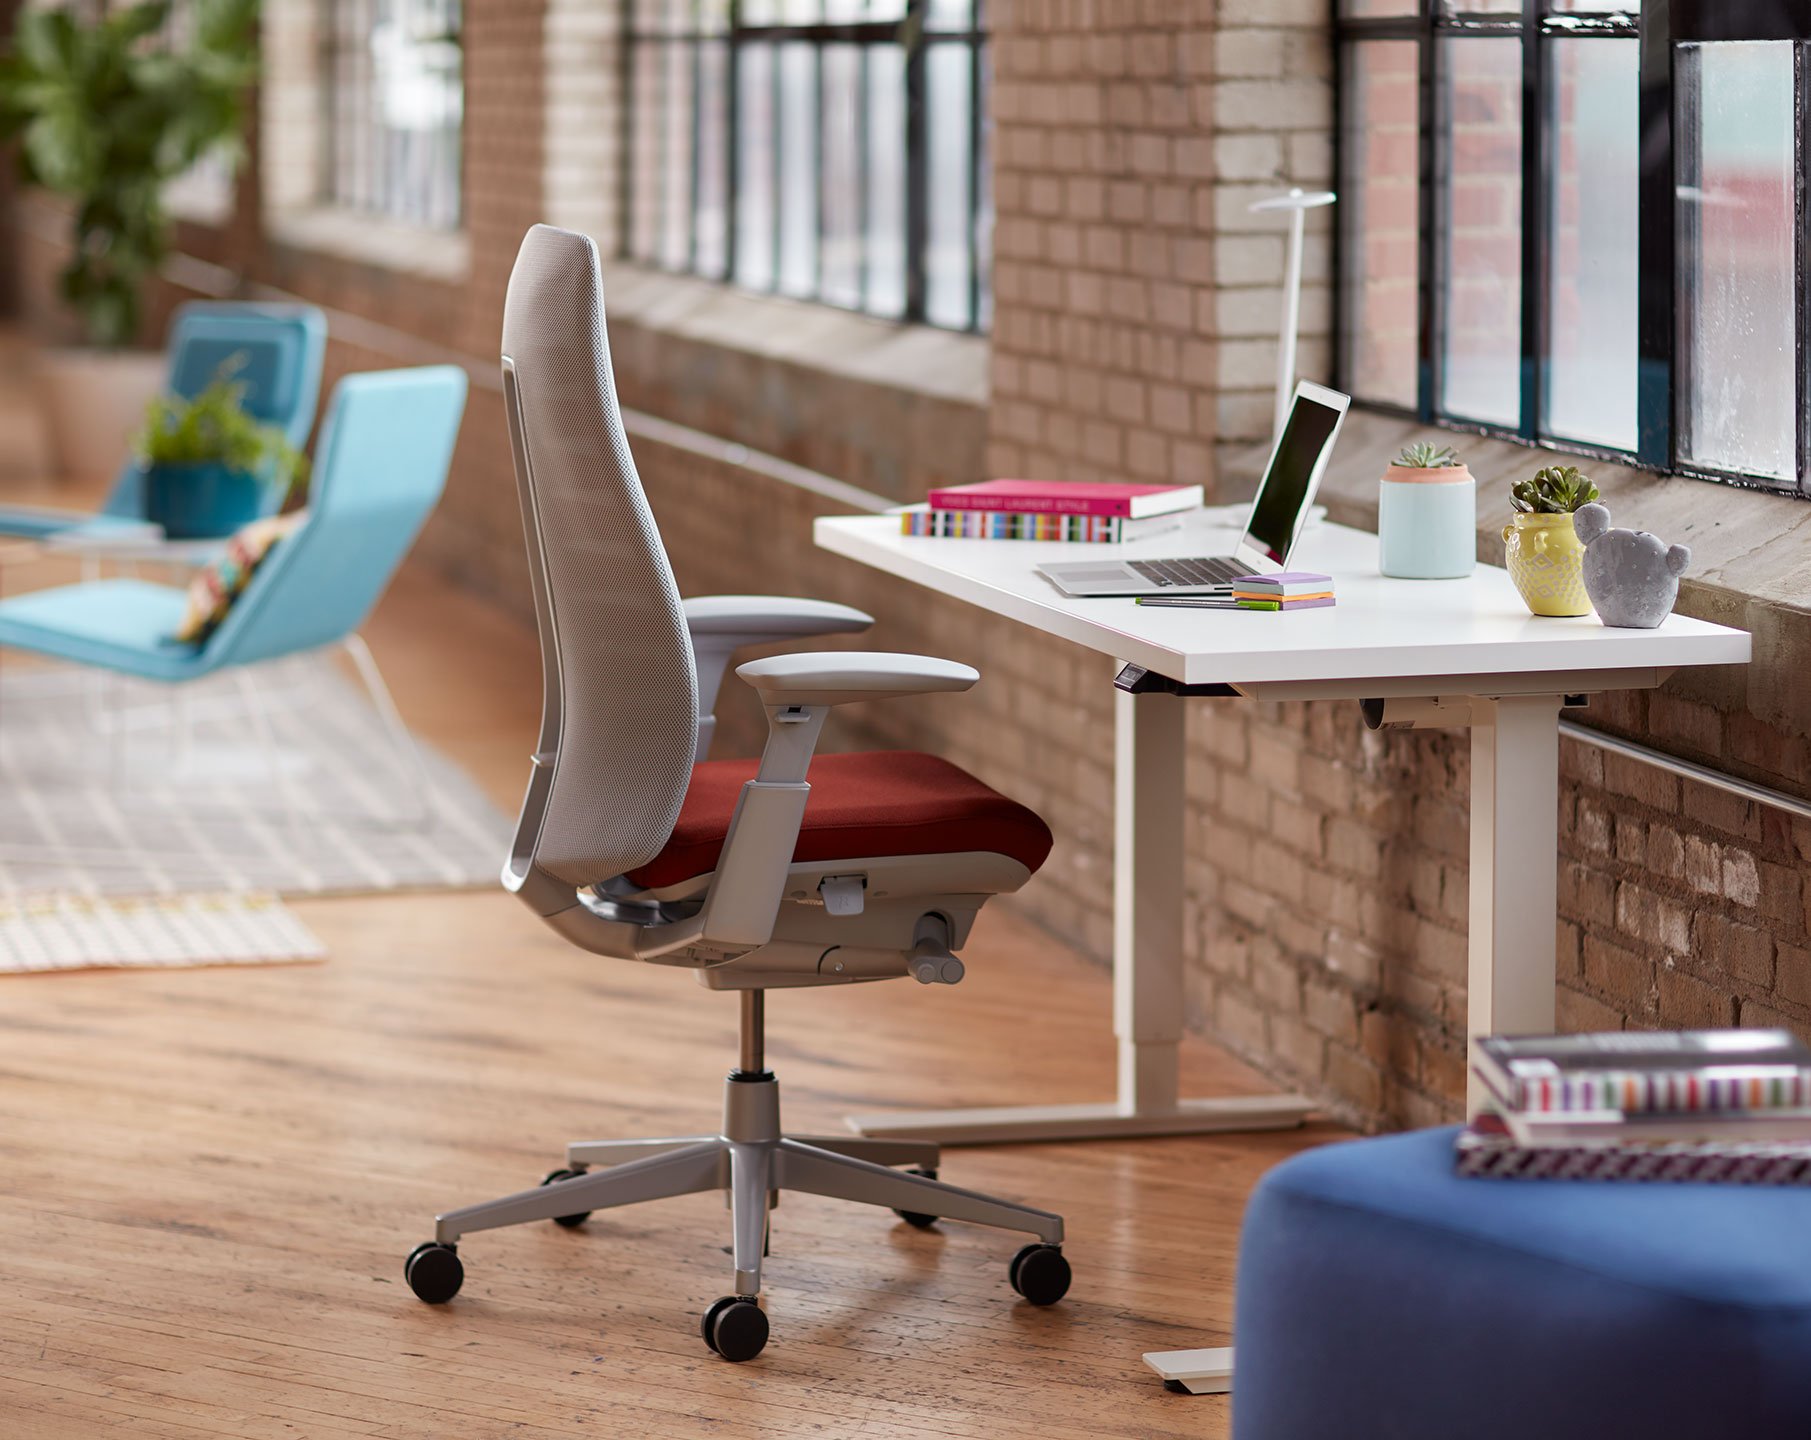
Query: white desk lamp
x,y
1297,202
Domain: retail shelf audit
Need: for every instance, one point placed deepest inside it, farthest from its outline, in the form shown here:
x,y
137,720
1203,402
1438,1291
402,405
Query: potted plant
x,y
1542,548
208,467
1427,516
108,107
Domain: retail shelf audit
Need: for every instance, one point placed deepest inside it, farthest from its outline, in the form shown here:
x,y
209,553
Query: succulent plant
x,y
1557,490
1425,456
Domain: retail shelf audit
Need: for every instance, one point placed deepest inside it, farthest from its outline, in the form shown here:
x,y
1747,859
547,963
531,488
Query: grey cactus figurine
x,y
1630,576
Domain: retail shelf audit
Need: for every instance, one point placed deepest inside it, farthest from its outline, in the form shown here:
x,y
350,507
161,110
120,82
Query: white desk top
x,y
1378,629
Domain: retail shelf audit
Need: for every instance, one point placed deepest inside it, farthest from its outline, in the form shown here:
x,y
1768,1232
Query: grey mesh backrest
x,y
620,709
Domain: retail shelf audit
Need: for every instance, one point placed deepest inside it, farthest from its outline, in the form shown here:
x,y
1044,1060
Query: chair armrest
x,y
722,624
798,691
755,619
840,677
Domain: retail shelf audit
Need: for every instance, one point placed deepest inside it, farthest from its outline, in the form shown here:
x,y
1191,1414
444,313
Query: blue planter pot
x,y
206,501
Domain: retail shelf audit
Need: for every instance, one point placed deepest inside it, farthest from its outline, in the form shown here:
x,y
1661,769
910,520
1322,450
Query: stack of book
x,y
1291,590
1723,1105
1051,510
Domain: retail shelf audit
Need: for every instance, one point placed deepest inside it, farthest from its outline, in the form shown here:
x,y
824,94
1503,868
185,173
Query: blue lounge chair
x,y
380,467
283,346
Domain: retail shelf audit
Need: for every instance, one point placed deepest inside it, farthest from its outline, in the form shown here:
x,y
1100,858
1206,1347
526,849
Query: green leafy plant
x,y
1425,456
106,113
1557,490
215,429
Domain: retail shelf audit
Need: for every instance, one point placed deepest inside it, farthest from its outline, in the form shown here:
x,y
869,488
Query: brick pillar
x,y
1137,300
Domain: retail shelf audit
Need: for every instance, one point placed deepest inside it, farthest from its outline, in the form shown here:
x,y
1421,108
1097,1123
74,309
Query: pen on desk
x,y
1190,602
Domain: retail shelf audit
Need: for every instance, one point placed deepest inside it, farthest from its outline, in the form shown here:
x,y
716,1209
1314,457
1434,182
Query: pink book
x,y
1068,497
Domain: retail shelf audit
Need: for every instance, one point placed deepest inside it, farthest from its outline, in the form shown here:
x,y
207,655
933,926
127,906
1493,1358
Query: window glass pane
x,y
812,168
842,189
1593,242
712,215
949,134
886,180
984,217
644,153
798,169
1380,215
1480,219
1736,184
754,167
676,156
394,102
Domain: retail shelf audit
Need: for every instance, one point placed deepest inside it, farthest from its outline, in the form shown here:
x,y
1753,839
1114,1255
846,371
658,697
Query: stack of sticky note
x,y
1291,590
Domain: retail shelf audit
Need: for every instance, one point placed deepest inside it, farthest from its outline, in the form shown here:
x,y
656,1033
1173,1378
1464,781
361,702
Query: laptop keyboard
x,y
1203,570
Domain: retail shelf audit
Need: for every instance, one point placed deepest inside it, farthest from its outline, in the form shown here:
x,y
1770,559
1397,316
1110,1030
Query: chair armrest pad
x,y
840,676
746,619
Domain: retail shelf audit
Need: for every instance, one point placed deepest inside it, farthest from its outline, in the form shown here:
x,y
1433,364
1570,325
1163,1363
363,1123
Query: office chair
x,y
752,876
280,349
379,468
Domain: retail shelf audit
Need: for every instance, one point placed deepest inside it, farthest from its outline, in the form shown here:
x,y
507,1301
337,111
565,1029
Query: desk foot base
x,y
1193,1372
1106,1121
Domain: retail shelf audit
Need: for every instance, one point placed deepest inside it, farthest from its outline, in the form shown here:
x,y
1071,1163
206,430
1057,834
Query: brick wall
x,y
1136,301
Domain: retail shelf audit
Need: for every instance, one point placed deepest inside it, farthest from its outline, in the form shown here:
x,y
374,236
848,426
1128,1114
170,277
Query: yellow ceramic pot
x,y
1546,560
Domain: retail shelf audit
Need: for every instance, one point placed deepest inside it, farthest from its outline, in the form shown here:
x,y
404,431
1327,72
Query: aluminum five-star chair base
x,y
752,1160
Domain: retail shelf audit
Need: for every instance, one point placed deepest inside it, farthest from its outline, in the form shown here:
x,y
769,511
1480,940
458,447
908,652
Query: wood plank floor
x,y
209,1178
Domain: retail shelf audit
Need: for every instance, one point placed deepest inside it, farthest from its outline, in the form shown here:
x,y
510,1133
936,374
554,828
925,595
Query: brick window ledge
x,y
443,255
1751,568
888,407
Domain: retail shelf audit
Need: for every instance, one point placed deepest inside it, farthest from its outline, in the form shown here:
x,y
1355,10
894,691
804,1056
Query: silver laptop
x,y
1278,511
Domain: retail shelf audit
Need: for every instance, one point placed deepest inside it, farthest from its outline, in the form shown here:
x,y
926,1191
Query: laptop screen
x,y
1293,474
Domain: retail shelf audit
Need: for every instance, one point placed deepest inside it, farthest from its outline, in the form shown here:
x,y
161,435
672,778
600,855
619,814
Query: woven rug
x,y
73,932
110,786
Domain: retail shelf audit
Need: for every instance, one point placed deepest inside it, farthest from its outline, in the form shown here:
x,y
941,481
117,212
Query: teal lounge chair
x,y
283,346
379,469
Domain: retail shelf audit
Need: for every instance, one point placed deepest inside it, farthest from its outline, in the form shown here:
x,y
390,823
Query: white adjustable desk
x,y
1469,642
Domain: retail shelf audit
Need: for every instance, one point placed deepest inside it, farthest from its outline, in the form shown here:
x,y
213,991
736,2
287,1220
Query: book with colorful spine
x,y
1646,1073
1108,500
1010,525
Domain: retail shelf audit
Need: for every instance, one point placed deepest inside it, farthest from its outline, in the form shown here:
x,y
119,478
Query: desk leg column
x,y
1514,868
1148,800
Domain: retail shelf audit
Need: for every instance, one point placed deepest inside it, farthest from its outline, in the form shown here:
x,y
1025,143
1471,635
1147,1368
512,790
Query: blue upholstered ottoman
x,y
1381,1296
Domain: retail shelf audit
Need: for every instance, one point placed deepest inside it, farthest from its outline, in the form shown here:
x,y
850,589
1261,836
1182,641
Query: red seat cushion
x,y
877,802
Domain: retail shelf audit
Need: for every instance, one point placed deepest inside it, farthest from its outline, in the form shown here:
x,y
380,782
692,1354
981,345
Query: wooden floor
x,y
209,1178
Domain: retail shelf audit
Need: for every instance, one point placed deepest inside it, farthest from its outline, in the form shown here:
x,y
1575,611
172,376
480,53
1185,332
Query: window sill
x,y
198,204
1747,545
921,358
891,408
372,240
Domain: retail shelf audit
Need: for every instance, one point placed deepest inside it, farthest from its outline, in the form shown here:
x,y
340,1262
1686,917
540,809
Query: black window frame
x,y
348,121
910,33
1658,27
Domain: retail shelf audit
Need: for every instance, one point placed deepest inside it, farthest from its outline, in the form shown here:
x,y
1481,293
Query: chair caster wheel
x,y
1040,1274
917,1218
735,1327
433,1272
569,1221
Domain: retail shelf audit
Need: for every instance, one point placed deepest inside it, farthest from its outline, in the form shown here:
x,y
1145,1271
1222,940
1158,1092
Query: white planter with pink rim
x,y
1427,522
